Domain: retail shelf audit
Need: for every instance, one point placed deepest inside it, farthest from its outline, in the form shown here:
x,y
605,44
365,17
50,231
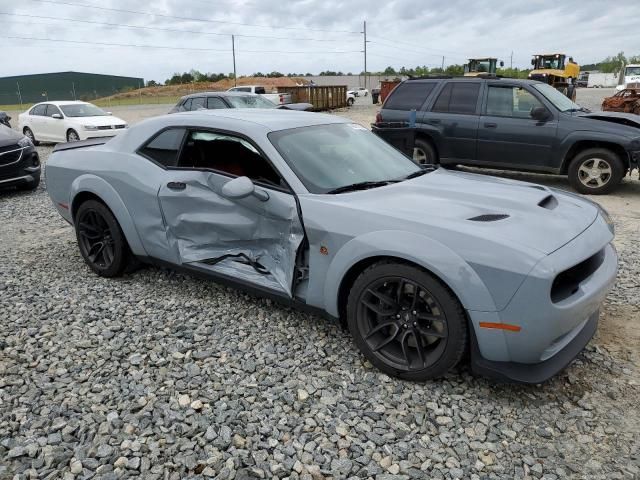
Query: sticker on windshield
x,y
357,126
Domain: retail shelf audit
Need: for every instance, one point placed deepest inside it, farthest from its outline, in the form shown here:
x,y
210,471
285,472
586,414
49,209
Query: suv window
x,y
227,154
215,102
510,101
458,97
164,148
241,89
38,110
409,95
186,106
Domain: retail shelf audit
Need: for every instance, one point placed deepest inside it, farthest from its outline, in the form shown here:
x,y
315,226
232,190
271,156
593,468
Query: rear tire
x,y
100,239
29,134
406,322
424,153
595,171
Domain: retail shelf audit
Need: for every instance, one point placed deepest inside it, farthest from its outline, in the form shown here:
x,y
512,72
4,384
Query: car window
x,y
51,110
198,103
227,154
38,110
409,95
510,101
186,106
260,90
164,147
215,102
458,97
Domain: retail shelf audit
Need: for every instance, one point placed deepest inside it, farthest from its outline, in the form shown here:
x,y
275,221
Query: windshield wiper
x,y
361,186
424,169
581,109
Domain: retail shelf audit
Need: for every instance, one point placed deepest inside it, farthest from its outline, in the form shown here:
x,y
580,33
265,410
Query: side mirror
x,y
501,63
242,187
533,61
57,116
540,113
109,113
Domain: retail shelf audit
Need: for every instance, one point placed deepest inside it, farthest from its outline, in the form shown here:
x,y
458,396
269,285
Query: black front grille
x,y
9,155
568,282
119,126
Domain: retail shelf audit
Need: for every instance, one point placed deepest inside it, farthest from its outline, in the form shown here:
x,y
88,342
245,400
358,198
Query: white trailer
x,y
602,80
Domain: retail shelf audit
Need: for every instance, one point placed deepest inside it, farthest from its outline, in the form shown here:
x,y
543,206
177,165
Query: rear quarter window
x,y
164,147
458,97
409,96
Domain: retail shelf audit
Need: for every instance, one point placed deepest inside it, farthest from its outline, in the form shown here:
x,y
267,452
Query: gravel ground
x,y
165,376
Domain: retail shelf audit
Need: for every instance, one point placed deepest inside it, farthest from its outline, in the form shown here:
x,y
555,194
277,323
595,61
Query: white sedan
x,y
68,122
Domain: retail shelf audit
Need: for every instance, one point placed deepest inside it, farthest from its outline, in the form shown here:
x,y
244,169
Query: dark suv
x,y
518,125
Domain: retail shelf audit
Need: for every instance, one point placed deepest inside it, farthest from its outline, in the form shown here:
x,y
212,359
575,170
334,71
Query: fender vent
x,y
489,217
538,187
549,202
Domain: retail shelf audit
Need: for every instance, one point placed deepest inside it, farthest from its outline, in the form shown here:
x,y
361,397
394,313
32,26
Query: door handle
x,y
433,121
490,125
176,185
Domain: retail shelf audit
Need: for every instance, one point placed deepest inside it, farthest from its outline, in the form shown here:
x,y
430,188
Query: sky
x,y
312,35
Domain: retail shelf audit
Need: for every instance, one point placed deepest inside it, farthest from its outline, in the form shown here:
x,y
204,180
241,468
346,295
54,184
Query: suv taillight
x,y
281,98
379,117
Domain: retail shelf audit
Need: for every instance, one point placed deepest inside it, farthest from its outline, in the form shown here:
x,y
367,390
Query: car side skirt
x,y
536,372
226,280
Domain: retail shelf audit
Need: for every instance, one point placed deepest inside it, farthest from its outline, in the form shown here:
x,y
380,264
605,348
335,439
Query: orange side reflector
x,y
501,326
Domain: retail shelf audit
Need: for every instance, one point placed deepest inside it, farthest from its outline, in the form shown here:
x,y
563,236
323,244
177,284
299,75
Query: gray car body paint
x,y
501,271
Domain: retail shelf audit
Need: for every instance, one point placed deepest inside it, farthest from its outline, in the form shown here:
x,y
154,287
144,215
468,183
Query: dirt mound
x,y
270,84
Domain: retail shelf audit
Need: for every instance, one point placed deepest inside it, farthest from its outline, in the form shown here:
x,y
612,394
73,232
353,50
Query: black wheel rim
x,y
29,134
402,323
96,240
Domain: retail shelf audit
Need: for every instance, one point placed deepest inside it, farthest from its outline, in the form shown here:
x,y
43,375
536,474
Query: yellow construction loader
x,y
555,70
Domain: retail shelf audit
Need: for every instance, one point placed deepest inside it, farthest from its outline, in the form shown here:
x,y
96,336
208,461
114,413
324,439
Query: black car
x,y
517,125
216,100
19,161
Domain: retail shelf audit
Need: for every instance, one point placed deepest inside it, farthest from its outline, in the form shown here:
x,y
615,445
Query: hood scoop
x,y
489,217
549,202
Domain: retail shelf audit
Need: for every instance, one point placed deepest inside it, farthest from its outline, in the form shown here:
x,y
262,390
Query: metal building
x,y
41,87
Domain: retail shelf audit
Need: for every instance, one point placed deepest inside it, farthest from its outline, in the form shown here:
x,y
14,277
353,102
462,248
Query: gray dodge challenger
x,y
421,264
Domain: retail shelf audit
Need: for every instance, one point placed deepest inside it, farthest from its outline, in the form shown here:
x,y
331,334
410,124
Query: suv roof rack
x,y
430,77
438,77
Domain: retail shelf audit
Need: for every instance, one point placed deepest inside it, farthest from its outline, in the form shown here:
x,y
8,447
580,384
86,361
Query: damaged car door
x,y
228,211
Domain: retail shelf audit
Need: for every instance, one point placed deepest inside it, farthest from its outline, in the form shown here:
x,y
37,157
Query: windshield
x,y
327,157
250,101
555,62
560,101
82,110
631,71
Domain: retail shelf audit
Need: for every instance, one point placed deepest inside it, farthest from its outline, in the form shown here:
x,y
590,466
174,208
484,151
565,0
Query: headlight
x,y
90,127
25,142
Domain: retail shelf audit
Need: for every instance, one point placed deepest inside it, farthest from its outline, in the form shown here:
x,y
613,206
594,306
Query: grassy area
x,y
107,102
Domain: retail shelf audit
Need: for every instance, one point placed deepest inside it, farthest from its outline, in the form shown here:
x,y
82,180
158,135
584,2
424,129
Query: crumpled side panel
x,y
203,225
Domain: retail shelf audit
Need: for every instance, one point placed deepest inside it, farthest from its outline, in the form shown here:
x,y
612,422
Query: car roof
x,y
272,119
62,102
220,94
479,78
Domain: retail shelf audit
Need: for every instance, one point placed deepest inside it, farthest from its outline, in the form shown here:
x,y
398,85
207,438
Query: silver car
x,y
421,264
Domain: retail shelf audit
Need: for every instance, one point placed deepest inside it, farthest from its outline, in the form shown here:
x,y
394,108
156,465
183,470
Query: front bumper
x,y
111,132
23,172
553,329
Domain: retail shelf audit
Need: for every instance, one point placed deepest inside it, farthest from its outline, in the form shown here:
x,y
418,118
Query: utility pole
x,y
233,48
511,61
364,31
73,88
443,64
19,94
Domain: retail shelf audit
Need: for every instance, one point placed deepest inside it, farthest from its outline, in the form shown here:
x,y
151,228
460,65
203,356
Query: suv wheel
x,y
406,322
595,171
424,153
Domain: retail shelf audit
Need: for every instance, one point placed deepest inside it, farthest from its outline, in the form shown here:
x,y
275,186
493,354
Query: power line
x,y
190,19
405,50
144,27
167,47
401,43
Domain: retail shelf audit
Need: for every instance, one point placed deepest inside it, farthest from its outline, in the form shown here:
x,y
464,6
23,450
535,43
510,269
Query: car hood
x,y
8,136
98,121
525,214
627,119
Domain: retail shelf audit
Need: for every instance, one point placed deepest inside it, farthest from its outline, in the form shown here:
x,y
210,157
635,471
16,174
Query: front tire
x,y
595,171
424,153
350,101
100,239
406,322
72,136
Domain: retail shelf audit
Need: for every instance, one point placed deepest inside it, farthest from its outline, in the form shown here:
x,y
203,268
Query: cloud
x,y
401,33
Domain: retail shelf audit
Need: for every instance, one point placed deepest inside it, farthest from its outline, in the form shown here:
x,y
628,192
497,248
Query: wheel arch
x,y
581,145
88,187
418,250
426,136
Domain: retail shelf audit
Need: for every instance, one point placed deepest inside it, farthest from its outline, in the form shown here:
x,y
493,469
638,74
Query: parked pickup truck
x,y
514,124
277,98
